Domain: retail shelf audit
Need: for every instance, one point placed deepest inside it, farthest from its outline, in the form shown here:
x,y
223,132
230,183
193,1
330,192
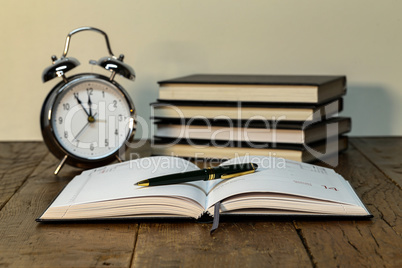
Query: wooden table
x,y
27,186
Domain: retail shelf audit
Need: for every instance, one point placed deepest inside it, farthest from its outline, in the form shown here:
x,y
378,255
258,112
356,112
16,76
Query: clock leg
x,y
60,165
118,158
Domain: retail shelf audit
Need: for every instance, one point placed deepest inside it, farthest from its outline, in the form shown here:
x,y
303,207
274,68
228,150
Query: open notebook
x,y
278,187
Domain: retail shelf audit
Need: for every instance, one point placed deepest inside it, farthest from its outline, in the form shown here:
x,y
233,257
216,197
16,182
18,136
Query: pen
x,y
221,172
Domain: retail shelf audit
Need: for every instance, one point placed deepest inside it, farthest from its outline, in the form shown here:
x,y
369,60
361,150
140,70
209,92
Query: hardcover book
x,y
252,131
254,88
245,110
223,150
278,187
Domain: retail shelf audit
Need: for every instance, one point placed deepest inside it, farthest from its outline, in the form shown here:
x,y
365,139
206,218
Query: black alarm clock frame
x,y
87,119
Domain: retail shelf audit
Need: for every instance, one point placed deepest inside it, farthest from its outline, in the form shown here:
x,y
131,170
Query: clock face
x,y
91,118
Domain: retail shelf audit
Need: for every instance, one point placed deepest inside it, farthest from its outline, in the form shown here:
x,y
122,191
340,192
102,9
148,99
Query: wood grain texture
x,y
373,243
237,244
25,243
385,153
29,186
17,161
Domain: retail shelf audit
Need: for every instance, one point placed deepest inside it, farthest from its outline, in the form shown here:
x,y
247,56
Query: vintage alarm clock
x,y
87,119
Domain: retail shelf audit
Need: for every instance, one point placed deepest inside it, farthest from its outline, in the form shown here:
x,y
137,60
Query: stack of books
x,y
221,117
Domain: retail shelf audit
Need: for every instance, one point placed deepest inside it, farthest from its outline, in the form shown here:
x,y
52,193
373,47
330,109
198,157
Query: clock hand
x,y
89,103
84,128
80,103
80,132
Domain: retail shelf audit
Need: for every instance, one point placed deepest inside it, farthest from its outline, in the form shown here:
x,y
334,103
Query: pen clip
x,y
232,175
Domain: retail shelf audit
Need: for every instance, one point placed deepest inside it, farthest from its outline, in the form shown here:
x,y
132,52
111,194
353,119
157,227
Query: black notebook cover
x,y
240,104
311,80
294,125
241,144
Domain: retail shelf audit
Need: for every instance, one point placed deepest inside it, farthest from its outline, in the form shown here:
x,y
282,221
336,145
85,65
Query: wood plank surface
x,y
25,243
17,161
27,187
385,153
234,244
373,243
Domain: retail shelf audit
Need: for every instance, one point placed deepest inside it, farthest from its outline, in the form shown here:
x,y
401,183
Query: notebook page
x,y
117,182
288,177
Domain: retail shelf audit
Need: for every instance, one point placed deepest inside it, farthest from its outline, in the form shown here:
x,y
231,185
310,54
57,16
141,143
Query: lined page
x,y
288,177
117,182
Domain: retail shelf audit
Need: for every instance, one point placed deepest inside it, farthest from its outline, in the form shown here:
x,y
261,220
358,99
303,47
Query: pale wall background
x,y
165,39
